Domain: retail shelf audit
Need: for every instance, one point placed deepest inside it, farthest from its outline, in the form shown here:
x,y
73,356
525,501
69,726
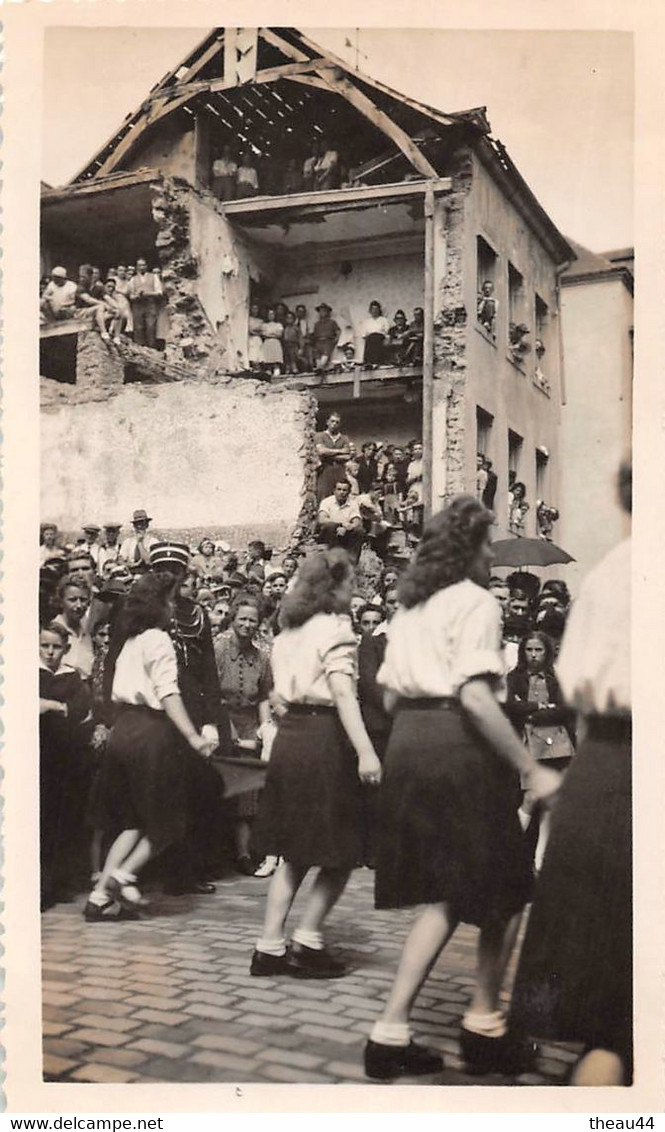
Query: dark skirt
x,y
142,781
574,981
448,825
310,811
375,350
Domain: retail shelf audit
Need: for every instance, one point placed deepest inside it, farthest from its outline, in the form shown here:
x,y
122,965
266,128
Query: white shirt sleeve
x,y
338,650
160,663
478,650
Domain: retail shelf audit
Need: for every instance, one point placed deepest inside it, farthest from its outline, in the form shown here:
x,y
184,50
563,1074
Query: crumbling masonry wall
x,y
226,457
450,342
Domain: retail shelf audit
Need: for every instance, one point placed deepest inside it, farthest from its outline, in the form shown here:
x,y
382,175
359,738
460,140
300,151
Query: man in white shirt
x,y
91,544
58,301
143,294
135,550
339,520
110,550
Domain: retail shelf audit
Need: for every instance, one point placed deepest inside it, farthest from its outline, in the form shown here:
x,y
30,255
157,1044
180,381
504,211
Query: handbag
x,y
548,741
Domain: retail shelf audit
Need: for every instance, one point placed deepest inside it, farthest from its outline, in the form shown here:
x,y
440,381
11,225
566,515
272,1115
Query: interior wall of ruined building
x,y
394,421
495,382
171,149
230,459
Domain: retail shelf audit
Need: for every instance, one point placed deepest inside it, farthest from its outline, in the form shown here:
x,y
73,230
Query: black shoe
x,y
245,865
109,913
509,1055
191,888
313,963
264,965
383,1062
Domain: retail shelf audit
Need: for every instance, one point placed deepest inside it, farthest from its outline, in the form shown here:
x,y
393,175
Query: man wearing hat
x,y
198,681
325,337
58,300
90,545
136,549
110,550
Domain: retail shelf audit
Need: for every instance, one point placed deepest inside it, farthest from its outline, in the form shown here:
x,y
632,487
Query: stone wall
x,y
227,457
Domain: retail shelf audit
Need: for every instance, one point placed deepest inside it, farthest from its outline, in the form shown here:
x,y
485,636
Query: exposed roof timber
x,y
381,120
269,75
209,46
132,136
101,185
282,44
333,199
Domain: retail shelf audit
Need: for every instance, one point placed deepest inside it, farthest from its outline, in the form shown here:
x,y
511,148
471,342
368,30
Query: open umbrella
x,y
528,552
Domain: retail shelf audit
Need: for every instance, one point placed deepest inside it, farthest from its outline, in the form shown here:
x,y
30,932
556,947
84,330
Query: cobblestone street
x,y
171,998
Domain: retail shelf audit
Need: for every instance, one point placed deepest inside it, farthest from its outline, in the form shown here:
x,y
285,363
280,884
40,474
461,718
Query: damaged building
x,y
428,211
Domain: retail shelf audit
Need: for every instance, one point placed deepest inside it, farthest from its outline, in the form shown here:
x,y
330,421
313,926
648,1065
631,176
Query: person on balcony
x,y
416,334
398,338
309,165
375,333
224,175
272,332
327,168
325,337
305,351
291,343
255,340
247,178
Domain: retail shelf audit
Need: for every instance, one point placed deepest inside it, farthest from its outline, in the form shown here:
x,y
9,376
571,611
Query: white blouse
x,y
436,647
593,667
304,658
146,670
378,325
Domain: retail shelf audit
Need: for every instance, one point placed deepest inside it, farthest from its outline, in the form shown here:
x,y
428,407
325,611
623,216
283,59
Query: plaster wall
x,y
494,382
228,458
596,420
394,281
225,266
172,152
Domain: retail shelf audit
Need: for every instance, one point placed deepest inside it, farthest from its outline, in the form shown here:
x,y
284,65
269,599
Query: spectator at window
x,y
518,509
414,346
375,332
247,178
291,343
271,333
143,294
224,174
339,521
325,337
398,338
487,307
59,298
481,476
490,487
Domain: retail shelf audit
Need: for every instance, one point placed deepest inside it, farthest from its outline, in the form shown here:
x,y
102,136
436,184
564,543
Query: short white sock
x,y
271,946
489,1025
99,897
123,877
391,1033
525,818
308,939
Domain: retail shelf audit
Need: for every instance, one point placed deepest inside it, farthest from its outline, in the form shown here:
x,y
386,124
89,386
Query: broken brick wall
x,y
231,458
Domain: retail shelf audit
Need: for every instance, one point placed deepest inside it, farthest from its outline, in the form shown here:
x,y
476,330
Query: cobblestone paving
x,y
171,999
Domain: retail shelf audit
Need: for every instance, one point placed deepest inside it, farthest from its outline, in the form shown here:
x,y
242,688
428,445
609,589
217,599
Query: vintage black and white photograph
x,y
336,351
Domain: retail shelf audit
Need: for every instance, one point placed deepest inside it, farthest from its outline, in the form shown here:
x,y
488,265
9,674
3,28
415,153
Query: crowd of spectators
x,y
224,625
121,302
237,174
284,341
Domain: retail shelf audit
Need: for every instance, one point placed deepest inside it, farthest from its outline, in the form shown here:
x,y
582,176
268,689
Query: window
x,y
518,330
515,444
486,276
484,422
517,503
542,461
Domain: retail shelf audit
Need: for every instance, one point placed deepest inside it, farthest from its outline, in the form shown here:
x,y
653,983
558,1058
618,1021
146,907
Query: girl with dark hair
x,y
535,707
141,792
449,836
311,809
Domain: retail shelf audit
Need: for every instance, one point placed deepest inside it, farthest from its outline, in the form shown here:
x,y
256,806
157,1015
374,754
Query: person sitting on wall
x,y
325,337
375,333
339,521
96,285
224,175
414,348
398,337
116,309
59,297
247,178
377,528
87,306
